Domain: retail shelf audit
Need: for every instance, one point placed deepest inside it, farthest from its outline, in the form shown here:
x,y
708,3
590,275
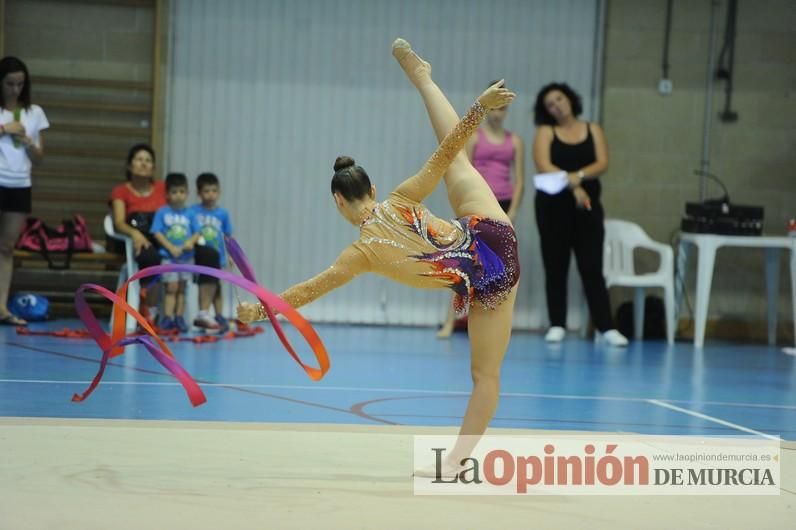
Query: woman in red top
x,y
133,205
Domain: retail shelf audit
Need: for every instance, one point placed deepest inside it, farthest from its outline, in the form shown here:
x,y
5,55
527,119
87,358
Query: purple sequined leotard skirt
x,y
498,257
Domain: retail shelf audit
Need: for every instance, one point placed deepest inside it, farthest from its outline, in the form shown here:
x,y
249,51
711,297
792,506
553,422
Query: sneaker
x,y
555,334
205,321
613,338
167,324
181,325
223,324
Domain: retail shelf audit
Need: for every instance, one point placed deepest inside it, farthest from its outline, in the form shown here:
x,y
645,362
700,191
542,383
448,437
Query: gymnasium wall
x,y
267,94
656,141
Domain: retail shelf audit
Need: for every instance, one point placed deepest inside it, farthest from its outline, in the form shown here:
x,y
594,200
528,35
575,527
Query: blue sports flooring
x,y
406,376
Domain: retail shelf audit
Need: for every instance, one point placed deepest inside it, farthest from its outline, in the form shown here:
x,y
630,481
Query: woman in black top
x,y
571,220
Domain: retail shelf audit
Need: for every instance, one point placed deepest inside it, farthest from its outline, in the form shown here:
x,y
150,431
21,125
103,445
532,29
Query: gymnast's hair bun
x,y
343,162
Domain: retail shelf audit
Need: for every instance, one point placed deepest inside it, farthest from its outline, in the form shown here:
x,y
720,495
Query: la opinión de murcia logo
x,y
713,477
499,467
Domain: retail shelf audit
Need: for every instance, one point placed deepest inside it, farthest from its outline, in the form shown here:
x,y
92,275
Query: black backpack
x,y
654,318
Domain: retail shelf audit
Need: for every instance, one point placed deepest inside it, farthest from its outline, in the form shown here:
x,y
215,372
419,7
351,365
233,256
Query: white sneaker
x,y
613,338
555,334
204,320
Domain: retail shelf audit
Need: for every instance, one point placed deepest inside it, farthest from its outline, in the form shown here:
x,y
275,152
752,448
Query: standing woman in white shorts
x,y
21,146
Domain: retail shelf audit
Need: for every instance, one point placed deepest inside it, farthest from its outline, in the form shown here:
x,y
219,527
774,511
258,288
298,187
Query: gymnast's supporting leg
x,y
490,332
489,329
468,192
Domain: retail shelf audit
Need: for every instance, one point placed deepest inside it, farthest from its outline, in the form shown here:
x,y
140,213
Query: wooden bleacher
x,y
32,274
98,104
85,155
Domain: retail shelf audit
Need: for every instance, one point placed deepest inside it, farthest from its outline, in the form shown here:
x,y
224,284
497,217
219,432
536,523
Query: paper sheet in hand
x,y
551,183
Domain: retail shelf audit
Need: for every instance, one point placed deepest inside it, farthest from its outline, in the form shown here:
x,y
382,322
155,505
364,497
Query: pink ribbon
x,y
113,344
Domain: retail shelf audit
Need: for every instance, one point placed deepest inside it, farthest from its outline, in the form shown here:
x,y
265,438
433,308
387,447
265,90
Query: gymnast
x,y
475,255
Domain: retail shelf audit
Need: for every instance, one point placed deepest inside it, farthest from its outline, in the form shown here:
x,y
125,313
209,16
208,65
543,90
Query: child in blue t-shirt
x,y
173,228
211,223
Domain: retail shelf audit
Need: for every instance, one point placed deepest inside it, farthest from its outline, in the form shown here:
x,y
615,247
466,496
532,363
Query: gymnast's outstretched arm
x,y
348,265
421,185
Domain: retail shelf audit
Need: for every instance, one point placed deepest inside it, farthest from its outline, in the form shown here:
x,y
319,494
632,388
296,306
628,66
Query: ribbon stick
x,y
113,345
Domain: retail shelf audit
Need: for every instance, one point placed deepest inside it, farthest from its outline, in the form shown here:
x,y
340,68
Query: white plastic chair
x,y
621,239
128,269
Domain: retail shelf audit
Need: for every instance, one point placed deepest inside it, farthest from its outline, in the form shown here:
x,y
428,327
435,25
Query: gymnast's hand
x,y
248,312
496,96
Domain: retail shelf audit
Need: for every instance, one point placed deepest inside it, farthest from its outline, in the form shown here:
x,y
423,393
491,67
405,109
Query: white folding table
x,y
707,245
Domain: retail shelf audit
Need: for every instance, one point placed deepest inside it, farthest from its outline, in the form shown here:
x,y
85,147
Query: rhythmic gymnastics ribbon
x,y
113,345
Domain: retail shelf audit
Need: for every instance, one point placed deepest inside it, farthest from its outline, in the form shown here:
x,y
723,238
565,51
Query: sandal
x,y
12,320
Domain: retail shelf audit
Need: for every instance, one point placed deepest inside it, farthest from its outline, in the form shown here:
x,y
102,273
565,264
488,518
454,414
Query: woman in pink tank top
x,y
498,155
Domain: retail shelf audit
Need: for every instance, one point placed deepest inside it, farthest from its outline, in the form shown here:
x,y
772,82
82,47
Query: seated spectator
x,y
172,229
133,205
212,224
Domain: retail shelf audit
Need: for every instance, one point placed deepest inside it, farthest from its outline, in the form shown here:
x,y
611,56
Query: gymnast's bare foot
x,y
448,469
446,330
417,70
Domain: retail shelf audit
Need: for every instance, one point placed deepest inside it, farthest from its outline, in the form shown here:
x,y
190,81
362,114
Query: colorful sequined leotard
x,y
475,257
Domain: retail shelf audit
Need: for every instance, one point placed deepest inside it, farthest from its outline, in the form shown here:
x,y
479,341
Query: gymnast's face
x,y
558,105
352,211
343,206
